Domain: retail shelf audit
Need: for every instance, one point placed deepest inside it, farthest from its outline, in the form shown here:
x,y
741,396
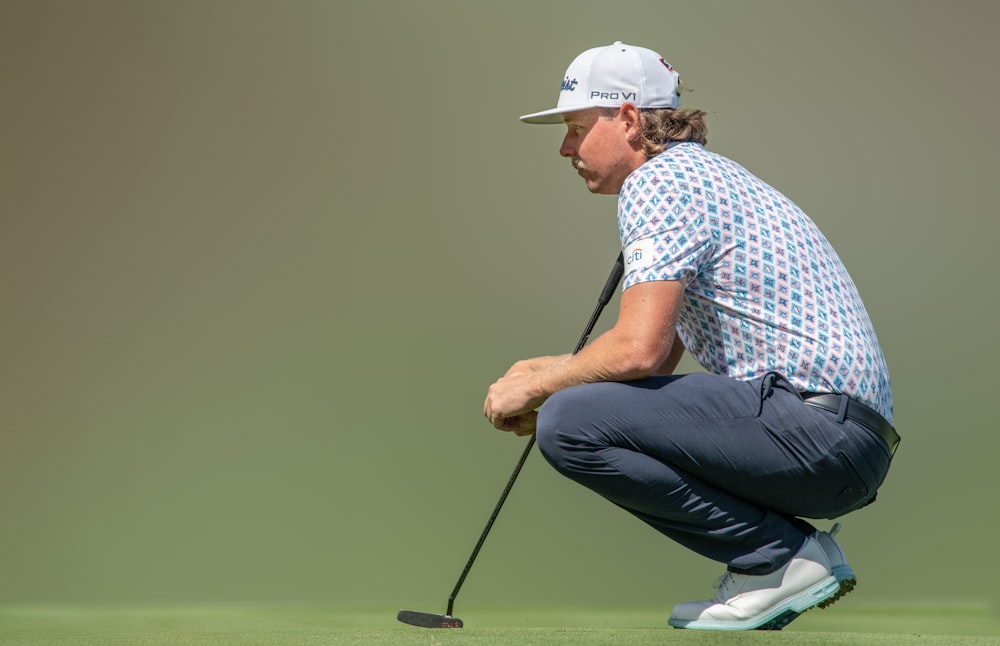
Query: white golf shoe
x,y
838,564
764,602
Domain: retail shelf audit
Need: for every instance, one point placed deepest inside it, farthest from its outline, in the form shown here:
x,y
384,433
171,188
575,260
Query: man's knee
x,y
560,430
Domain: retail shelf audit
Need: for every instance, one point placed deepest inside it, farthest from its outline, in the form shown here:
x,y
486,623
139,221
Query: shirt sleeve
x,y
663,236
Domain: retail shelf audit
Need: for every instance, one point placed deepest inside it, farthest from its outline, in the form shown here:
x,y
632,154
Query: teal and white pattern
x,y
765,290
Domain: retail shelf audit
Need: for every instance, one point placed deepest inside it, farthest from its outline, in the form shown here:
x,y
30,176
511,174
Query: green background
x,y
260,261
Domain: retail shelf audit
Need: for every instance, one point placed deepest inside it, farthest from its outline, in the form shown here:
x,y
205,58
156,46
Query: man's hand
x,y
511,401
521,425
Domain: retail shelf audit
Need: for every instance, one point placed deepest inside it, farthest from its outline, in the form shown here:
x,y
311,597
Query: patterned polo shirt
x,y
764,289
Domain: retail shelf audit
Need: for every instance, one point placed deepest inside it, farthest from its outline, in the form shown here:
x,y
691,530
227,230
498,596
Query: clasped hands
x,y
512,400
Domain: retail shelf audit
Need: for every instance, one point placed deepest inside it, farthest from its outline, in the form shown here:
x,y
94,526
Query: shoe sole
x,y
846,579
827,590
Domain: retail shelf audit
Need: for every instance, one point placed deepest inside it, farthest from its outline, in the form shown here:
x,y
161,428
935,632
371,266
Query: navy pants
x,y
726,468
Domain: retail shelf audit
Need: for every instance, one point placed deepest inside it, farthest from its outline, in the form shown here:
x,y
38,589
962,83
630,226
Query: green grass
x,y
217,625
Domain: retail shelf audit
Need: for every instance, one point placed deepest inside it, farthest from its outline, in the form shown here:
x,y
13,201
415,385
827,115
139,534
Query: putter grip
x,y
616,275
609,288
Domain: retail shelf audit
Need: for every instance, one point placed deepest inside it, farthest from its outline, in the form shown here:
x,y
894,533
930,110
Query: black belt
x,y
856,412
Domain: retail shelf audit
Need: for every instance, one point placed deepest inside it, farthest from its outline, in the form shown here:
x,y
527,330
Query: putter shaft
x,y
617,271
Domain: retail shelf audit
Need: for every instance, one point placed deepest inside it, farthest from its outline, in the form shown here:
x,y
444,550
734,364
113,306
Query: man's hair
x,y
660,126
663,125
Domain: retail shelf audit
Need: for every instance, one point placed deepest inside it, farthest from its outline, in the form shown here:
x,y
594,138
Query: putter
x,y
447,620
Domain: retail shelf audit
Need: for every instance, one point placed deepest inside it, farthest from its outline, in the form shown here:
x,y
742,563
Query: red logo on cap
x,y
666,65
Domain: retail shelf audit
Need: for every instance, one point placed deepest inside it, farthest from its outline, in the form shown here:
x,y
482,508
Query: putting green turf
x,y
206,625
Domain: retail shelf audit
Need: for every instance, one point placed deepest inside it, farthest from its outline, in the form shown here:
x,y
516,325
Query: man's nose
x,y
567,149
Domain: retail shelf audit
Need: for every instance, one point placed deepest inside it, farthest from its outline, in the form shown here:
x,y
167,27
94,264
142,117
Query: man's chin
x,y
599,189
592,185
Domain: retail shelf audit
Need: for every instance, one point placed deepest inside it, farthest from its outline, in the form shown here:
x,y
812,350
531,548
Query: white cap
x,y
607,77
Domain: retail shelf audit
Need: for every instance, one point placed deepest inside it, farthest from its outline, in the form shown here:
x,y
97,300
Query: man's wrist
x,y
540,386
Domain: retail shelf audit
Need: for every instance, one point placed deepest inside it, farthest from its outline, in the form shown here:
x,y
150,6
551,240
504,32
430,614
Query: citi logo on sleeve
x,y
636,256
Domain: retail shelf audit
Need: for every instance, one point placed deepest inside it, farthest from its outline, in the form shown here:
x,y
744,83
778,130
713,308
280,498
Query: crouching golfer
x,y
793,419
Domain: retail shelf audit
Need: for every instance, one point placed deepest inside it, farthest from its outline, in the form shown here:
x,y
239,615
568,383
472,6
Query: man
x,y
793,418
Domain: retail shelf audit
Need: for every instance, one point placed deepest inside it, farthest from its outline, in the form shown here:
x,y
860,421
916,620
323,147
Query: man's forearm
x,y
614,356
536,364
639,345
669,366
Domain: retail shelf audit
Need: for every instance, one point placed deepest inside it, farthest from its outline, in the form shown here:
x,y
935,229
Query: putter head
x,y
428,620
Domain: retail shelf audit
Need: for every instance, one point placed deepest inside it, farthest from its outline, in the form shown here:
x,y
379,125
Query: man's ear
x,y
633,127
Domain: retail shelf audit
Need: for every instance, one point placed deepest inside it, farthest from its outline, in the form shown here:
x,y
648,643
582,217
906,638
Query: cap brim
x,y
548,116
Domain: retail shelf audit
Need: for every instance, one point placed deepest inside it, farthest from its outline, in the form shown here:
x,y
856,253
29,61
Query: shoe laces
x,y
724,583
